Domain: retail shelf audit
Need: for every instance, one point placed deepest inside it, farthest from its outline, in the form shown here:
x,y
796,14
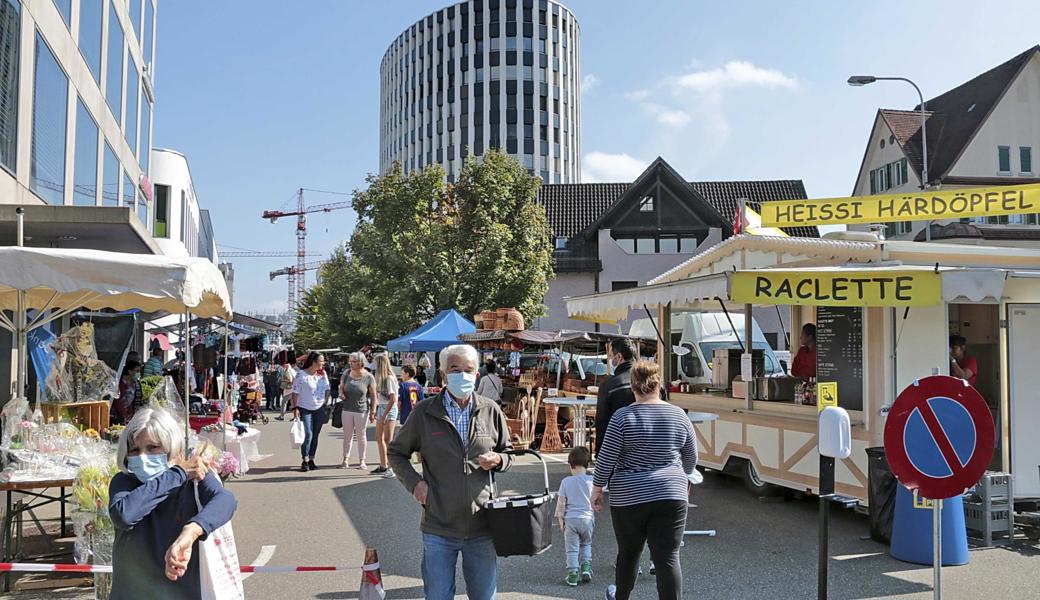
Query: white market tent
x,y
56,282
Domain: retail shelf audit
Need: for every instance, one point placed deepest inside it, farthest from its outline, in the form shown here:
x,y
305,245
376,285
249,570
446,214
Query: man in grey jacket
x,y
460,436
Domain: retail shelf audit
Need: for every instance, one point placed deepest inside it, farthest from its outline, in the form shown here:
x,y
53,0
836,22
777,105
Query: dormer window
x,y
561,243
646,204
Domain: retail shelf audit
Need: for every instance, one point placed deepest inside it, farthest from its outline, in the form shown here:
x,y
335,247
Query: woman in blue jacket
x,y
154,511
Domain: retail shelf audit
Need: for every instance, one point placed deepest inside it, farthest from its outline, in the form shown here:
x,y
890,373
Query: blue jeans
x,y
479,564
577,535
312,422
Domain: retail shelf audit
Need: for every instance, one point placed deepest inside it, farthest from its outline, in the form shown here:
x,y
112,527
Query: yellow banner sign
x,y
918,206
826,394
838,288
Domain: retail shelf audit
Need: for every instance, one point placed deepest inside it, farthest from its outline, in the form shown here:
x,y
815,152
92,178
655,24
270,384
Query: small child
x,y
574,511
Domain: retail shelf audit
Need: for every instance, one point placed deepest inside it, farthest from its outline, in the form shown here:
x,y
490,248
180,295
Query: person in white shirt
x,y
490,385
310,394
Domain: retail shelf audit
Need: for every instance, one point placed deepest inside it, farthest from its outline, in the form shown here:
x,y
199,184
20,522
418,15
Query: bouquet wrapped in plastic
x,y
95,534
78,375
15,416
167,397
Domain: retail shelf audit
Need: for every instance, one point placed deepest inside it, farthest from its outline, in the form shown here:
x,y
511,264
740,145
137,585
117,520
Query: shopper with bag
x,y
310,396
165,509
357,389
461,436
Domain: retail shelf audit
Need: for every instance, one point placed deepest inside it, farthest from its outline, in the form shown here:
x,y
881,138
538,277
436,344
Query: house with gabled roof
x,y
611,236
984,132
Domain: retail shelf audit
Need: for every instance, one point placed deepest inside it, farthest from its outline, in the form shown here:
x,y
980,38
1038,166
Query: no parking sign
x,y
939,437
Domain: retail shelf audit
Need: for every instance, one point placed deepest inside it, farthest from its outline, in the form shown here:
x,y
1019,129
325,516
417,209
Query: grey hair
x,y
159,425
461,350
358,356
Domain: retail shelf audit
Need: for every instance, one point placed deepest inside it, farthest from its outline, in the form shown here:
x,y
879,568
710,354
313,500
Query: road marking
x,y
857,556
266,552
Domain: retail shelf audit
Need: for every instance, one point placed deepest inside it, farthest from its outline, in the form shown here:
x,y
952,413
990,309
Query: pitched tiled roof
x,y
954,116
572,207
725,196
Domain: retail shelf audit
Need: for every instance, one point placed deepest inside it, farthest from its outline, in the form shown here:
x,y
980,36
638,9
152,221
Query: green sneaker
x,y
573,578
586,572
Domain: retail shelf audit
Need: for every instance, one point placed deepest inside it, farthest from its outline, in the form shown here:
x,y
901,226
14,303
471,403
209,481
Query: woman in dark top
x,y
647,455
154,511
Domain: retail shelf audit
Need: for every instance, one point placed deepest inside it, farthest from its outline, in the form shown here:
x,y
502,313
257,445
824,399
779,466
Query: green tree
x,y
421,245
325,317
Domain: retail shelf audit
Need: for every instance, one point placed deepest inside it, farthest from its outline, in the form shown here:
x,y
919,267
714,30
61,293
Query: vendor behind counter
x,y
804,364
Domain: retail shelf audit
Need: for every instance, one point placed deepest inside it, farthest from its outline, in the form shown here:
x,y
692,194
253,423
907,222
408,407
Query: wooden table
x,y
13,513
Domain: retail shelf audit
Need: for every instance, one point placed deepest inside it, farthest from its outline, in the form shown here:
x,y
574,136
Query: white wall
x,y
563,286
170,167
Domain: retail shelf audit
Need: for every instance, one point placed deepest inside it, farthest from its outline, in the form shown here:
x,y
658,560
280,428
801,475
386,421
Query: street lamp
x,y
861,80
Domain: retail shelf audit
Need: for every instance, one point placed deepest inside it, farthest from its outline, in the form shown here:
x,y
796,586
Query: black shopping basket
x,y
521,525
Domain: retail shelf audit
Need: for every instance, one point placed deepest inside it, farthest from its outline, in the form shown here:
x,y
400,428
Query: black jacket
x,y
615,393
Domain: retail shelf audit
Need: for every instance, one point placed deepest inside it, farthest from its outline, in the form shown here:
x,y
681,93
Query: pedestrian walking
x,y
287,376
310,395
577,520
647,455
155,511
410,393
358,391
461,436
386,413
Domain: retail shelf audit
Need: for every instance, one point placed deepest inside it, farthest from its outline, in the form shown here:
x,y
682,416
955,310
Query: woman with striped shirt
x,y
648,452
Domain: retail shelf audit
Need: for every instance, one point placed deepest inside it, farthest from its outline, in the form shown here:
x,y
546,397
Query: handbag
x,y
337,414
296,434
218,563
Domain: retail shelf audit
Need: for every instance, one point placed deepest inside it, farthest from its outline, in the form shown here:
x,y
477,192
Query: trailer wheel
x,y
756,486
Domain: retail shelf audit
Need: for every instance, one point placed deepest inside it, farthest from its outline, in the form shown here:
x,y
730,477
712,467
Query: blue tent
x,y
440,331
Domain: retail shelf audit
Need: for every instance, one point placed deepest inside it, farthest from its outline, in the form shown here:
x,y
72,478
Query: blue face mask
x,y
461,385
147,466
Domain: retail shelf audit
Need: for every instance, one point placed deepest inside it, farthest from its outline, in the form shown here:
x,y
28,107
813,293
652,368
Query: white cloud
x,y
588,82
735,74
664,115
604,167
637,95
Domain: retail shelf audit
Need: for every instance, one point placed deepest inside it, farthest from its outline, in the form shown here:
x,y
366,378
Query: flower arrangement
x,y
113,433
227,466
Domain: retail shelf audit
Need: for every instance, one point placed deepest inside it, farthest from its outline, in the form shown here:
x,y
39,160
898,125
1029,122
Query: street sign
x,y
939,437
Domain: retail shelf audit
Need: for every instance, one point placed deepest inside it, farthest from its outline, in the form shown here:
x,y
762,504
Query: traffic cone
x,y
371,577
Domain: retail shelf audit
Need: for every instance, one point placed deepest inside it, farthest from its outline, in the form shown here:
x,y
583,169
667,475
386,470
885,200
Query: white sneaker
x,y
611,592
388,474
363,467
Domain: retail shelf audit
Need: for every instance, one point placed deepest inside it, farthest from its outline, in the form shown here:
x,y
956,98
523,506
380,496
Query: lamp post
x,y
861,80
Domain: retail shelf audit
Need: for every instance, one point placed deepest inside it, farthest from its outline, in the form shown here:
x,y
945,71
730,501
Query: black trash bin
x,y
881,494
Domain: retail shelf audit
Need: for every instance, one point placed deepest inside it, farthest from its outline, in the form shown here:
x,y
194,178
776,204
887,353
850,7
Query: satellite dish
x,y
680,350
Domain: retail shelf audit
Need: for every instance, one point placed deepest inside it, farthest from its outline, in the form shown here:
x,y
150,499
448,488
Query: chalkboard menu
x,y
839,352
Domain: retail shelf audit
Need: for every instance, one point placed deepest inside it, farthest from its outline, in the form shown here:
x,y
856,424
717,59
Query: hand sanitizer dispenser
x,y
835,434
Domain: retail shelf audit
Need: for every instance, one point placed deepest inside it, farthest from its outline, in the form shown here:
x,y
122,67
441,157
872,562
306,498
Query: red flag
x,y
738,223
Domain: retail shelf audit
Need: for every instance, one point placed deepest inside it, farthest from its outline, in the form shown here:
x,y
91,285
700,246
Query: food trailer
x,y
884,311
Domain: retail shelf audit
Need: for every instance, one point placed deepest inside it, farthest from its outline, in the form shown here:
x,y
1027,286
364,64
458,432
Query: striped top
x,y
647,453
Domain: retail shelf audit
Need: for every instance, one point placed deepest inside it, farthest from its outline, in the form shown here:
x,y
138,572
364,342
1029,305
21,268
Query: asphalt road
x,y
764,550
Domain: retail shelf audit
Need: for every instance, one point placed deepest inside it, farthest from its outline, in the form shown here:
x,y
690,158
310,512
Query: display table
x,y
580,406
14,512
244,447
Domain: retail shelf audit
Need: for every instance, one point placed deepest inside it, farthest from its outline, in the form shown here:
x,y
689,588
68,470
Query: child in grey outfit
x,y
574,511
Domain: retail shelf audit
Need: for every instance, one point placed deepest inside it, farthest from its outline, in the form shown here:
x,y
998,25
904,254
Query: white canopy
x,y
64,280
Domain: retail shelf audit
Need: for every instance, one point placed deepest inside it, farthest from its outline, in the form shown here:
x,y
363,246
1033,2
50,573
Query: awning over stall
x,y
441,331
611,307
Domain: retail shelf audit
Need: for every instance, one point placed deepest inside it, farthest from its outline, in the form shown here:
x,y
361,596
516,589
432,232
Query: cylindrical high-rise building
x,y
484,74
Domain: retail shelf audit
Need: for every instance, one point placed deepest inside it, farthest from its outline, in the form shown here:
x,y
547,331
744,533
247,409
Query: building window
x,y
1004,159
646,204
162,211
84,185
687,245
65,8
561,243
9,44
626,244
149,23
114,69
646,246
184,218
135,16
50,99
623,285
133,81
1025,159
90,36
146,134
669,245
110,179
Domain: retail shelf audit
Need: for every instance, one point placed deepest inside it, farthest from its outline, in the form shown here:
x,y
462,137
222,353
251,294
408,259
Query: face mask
x,y
461,385
147,466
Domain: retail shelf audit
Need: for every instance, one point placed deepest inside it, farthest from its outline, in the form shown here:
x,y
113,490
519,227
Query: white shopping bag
x,y
218,563
296,433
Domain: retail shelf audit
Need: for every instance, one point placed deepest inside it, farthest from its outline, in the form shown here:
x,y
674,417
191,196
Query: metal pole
x,y
20,320
823,529
187,378
226,392
749,321
937,547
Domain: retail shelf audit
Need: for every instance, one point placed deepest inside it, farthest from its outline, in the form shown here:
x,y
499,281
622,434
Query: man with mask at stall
x,y
460,435
615,392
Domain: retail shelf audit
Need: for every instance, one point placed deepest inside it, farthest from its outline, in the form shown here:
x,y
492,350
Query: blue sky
x,y
265,97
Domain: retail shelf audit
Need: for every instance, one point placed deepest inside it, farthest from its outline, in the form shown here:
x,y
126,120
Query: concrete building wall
x,y
563,286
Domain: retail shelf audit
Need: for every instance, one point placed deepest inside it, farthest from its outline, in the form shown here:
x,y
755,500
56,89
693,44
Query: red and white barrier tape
x,y
74,568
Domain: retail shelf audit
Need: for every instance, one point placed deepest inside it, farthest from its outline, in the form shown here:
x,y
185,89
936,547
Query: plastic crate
x,y
993,487
988,507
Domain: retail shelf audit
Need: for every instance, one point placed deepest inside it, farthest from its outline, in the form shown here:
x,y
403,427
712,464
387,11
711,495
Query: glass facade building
x,y
485,74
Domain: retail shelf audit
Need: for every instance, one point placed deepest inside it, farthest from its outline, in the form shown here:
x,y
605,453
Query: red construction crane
x,y
257,254
301,237
293,272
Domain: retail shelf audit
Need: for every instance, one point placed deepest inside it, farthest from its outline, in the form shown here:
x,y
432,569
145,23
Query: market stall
x,y
884,312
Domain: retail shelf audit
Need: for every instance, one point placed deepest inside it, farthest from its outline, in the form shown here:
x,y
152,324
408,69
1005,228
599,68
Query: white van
x,y
701,333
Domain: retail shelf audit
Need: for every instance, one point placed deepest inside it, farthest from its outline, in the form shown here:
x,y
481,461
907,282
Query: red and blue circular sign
x,y
939,437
